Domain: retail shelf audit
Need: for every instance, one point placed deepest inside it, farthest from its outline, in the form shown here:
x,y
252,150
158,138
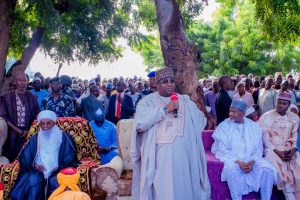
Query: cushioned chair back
x,y
125,129
207,139
80,130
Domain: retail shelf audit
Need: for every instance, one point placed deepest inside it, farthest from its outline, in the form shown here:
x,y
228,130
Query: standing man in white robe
x,y
238,144
167,151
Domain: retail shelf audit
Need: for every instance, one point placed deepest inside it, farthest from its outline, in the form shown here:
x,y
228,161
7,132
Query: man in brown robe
x,y
19,109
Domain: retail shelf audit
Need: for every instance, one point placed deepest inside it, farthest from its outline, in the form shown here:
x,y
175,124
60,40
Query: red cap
x,y
174,96
69,171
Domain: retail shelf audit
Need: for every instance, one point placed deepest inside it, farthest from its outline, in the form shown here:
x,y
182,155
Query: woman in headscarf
x,y
43,157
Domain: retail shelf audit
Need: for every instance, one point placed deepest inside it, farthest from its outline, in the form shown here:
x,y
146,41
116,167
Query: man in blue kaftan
x,y
106,135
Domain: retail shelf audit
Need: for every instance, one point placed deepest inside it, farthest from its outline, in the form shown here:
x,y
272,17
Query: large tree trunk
x,y
59,68
177,52
33,45
7,8
27,55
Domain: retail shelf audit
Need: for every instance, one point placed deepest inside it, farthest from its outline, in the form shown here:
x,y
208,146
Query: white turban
x,y
293,106
46,114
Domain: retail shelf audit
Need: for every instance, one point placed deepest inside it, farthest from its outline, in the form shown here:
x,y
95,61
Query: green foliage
x,y
144,15
233,44
144,12
87,30
280,19
84,30
150,50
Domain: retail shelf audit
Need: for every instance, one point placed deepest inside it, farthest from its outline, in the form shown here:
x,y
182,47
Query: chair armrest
x,y
116,164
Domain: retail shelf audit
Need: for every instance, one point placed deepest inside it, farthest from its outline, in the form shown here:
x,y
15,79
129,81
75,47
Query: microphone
x,y
174,97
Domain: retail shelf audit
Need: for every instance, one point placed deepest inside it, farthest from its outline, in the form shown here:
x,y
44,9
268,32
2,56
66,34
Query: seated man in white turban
x,y
238,144
43,157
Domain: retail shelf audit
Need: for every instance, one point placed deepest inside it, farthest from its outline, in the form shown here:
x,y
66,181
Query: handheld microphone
x,y
174,97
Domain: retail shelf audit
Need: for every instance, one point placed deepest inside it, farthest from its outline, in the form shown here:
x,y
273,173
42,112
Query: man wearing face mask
x,y
106,135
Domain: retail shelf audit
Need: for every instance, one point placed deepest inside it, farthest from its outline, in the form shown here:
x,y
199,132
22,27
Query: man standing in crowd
x,y
120,105
243,95
66,82
90,104
19,109
210,97
285,88
59,103
153,87
132,93
37,90
223,100
280,134
44,156
267,97
278,81
238,144
167,151
105,98
106,135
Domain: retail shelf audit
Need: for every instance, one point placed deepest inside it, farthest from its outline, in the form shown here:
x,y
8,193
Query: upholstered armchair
x,y
125,129
116,177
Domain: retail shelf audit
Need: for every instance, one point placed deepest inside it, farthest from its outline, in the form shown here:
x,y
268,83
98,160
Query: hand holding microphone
x,y
173,105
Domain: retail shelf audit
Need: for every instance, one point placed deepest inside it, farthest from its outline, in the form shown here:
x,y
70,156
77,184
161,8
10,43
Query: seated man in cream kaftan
x,y
167,151
280,133
238,144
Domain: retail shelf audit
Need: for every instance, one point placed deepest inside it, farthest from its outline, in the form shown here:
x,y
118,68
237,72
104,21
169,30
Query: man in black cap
x,y
59,103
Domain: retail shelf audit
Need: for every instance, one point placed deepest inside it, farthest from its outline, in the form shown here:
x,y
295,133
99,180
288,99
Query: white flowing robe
x,y
234,141
176,167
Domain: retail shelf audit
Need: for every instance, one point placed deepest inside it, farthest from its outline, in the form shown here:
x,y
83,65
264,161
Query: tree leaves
x,y
240,45
233,44
280,19
84,30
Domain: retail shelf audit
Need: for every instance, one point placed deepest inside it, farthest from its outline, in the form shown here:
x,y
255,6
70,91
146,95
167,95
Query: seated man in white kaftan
x,y
238,144
280,133
167,150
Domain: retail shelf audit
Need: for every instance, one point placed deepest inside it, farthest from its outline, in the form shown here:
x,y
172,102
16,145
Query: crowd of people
x,y
255,118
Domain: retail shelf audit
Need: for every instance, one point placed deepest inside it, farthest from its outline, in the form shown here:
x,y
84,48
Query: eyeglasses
x,y
166,81
48,123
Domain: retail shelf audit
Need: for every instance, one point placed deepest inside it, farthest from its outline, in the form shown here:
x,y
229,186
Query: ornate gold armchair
x,y
87,154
